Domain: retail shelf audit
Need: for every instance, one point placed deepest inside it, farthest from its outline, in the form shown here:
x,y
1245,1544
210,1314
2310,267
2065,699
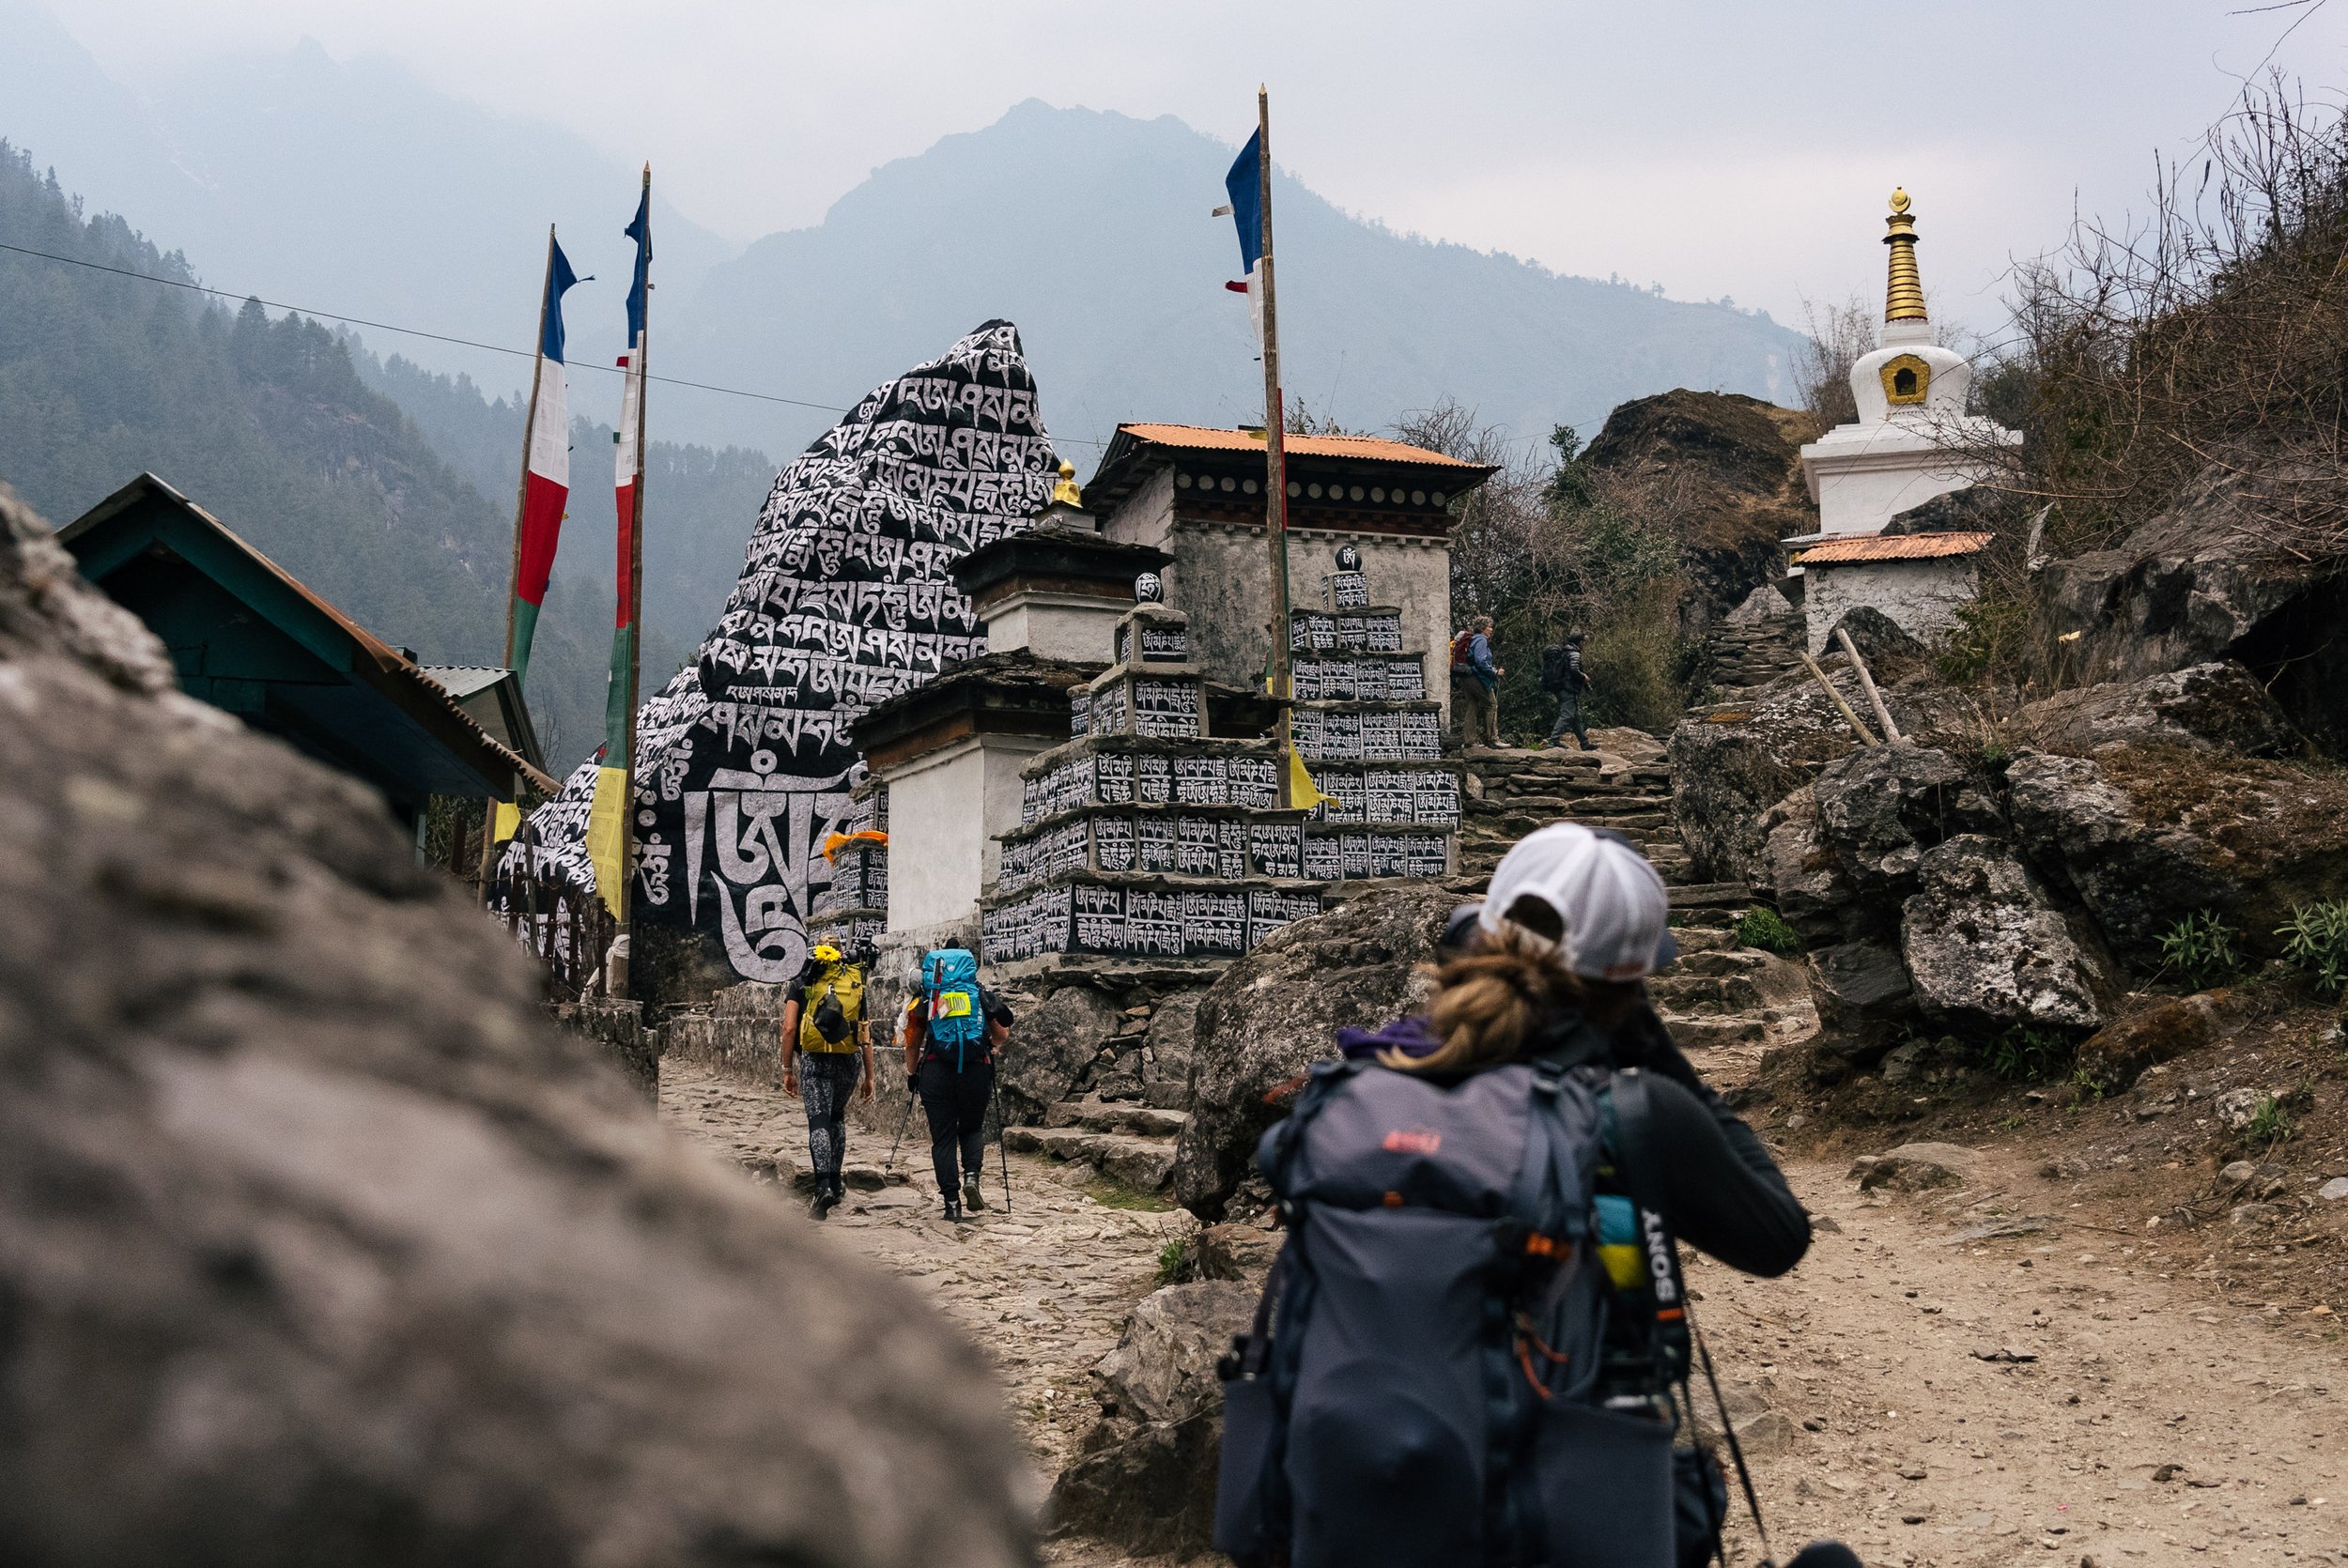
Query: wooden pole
x,y
1867,685
1865,736
521,502
1276,449
637,368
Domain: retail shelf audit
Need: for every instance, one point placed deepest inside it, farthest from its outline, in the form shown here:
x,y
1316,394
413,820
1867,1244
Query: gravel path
x,y
1044,1289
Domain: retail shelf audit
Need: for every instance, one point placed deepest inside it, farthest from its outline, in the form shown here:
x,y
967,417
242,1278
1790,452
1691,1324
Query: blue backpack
x,y
957,1013
1457,1357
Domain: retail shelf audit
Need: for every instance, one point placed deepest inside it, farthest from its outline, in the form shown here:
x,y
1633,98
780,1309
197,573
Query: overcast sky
x,y
1729,148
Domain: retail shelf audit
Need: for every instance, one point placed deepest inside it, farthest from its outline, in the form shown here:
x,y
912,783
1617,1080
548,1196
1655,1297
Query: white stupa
x,y
1913,439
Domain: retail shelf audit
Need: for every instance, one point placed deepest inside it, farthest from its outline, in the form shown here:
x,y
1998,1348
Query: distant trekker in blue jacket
x,y
1475,685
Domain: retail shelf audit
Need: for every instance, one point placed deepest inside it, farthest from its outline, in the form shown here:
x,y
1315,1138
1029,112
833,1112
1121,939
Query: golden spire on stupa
x,y
1904,298
1065,493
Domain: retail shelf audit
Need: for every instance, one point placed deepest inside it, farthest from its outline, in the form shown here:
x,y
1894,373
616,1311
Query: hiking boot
x,y
824,1199
953,1210
973,1195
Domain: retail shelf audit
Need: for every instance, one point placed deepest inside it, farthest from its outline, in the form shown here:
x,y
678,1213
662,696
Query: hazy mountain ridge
x,y
1091,230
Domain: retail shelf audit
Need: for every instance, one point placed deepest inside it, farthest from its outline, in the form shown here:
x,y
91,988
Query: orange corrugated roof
x,y
1897,546
1365,448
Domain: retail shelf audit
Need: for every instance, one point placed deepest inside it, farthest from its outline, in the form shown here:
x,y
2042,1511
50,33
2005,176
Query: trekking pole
x,y
1002,1150
903,1123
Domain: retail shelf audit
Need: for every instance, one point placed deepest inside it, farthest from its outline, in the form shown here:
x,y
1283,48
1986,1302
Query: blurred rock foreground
x,y
318,1245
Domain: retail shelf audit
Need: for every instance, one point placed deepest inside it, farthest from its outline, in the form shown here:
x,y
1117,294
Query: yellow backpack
x,y
833,1008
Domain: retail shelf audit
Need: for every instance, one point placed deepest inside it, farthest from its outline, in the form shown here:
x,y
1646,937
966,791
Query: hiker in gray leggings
x,y
825,1082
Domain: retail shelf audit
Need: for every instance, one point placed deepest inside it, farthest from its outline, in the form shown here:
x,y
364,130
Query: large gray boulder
x,y
1145,1479
1987,948
2148,835
1803,874
1733,760
2205,707
1881,809
318,1244
1277,1010
1053,1049
1863,994
2199,583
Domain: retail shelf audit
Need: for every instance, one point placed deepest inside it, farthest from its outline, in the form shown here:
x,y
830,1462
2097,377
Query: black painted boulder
x,y
318,1244
1987,948
1277,1010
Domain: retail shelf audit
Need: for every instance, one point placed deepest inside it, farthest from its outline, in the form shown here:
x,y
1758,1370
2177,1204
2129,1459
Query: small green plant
x,y
2200,950
2086,1088
2269,1125
1173,1261
1764,927
2315,942
2024,1054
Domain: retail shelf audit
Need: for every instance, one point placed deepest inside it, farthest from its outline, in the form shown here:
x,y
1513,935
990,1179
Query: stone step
x,y
1691,995
1140,1162
1716,895
1722,961
1698,1034
1095,1116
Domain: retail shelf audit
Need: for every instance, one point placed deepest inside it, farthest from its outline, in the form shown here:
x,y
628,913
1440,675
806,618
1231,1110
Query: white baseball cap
x,y
1610,902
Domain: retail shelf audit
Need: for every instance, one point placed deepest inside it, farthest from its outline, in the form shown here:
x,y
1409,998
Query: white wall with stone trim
x,y
945,811
1920,598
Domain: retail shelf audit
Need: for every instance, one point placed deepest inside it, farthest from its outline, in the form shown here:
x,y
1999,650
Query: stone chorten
x,y
1913,439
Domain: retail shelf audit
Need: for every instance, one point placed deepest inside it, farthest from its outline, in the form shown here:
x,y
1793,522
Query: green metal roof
x,y
247,635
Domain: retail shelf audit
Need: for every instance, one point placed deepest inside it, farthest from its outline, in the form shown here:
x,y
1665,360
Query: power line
x,y
436,337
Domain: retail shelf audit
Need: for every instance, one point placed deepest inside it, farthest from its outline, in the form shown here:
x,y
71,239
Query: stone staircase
x,y
1130,1143
1721,993
1739,655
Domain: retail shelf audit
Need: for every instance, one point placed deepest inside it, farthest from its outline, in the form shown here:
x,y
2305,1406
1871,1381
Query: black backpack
x,y
1447,1366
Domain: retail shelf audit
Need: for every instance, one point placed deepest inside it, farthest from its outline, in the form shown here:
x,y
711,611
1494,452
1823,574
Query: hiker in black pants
x,y
1563,678
954,1100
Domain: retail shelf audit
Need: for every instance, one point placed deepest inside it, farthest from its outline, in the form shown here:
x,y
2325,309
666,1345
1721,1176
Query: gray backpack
x,y
1430,1378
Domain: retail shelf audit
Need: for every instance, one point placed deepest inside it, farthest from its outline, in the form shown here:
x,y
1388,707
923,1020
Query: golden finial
x,y
1065,492
1904,298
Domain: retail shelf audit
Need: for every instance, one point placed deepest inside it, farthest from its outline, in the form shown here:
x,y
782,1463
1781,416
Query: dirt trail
x,y
1899,1438
1884,1425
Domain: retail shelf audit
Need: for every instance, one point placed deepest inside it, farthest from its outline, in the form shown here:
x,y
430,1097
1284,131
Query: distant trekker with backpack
x,y
822,1025
1474,1347
1563,677
1475,685
951,1034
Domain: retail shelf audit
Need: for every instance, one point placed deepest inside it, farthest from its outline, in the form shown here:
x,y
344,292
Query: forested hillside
x,y
264,422
699,503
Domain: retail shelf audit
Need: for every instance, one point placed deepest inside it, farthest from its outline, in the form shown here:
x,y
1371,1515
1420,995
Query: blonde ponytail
x,y
1490,1004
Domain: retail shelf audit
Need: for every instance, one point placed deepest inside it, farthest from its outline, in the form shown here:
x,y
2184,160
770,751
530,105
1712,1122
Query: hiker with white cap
x,y
1475,1345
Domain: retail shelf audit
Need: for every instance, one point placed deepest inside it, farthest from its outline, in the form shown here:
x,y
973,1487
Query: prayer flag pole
x,y
1275,453
521,508
635,581
611,821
